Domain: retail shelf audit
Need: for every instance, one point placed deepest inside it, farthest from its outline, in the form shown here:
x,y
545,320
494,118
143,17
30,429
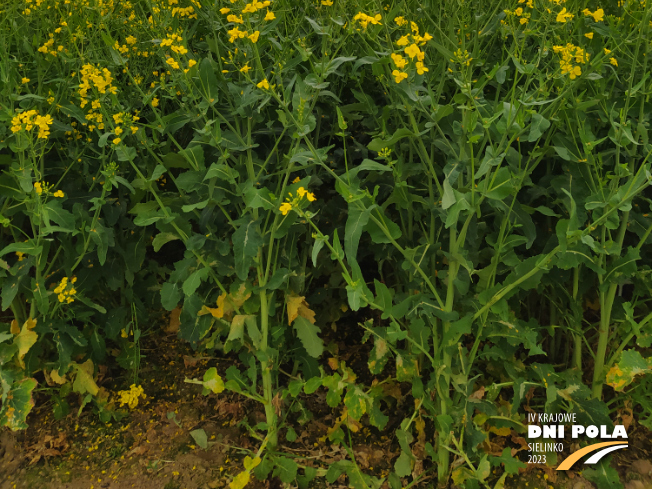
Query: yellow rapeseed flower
x,y
613,61
59,194
117,141
398,60
154,102
270,16
285,208
589,35
412,50
327,3
263,84
25,80
38,188
254,37
400,21
563,16
399,75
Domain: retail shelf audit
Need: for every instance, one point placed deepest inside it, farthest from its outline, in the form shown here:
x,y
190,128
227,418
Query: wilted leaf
x,y
212,381
297,306
630,365
25,339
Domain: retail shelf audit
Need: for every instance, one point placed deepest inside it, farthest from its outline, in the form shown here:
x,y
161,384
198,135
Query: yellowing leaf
x,y
15,329
240,480
250,463
84,379
504,431
54,375
212,381
24,341
227,303
297,306
30,323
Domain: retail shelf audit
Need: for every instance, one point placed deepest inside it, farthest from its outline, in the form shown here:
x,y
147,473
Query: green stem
x,y
266,371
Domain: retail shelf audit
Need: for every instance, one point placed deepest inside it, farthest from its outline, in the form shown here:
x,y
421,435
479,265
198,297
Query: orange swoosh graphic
x,y
568,463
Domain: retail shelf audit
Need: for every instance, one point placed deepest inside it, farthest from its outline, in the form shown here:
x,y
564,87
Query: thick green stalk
x,y
577,336
266,372
606,304
443,454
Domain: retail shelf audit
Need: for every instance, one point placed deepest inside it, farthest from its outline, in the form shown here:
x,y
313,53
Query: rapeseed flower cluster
x,y
30,119
570,53
249,8
92,76
410,43
520,13
123,121
365,19
293,202
66,290
563,16
48,47
131,396
598,15
44,187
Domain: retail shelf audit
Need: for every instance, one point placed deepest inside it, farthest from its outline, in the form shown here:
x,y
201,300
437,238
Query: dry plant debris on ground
x,y
152,446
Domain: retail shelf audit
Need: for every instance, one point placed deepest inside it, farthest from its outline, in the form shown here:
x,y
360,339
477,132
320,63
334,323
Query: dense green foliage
x,y
465,180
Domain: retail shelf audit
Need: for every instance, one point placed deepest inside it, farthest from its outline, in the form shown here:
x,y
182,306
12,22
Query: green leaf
x,y
222,172
337,469
319,244
403,465
538,126
286,469
368,165
126,153
512,464
191,284
170,295
448,198
28,247
290,434
200,438
604,476
209,86
161,238
246,241
383,299
52,210
379,144
376,417
501,184
307,333
355,223
456,329
312,385
193,327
